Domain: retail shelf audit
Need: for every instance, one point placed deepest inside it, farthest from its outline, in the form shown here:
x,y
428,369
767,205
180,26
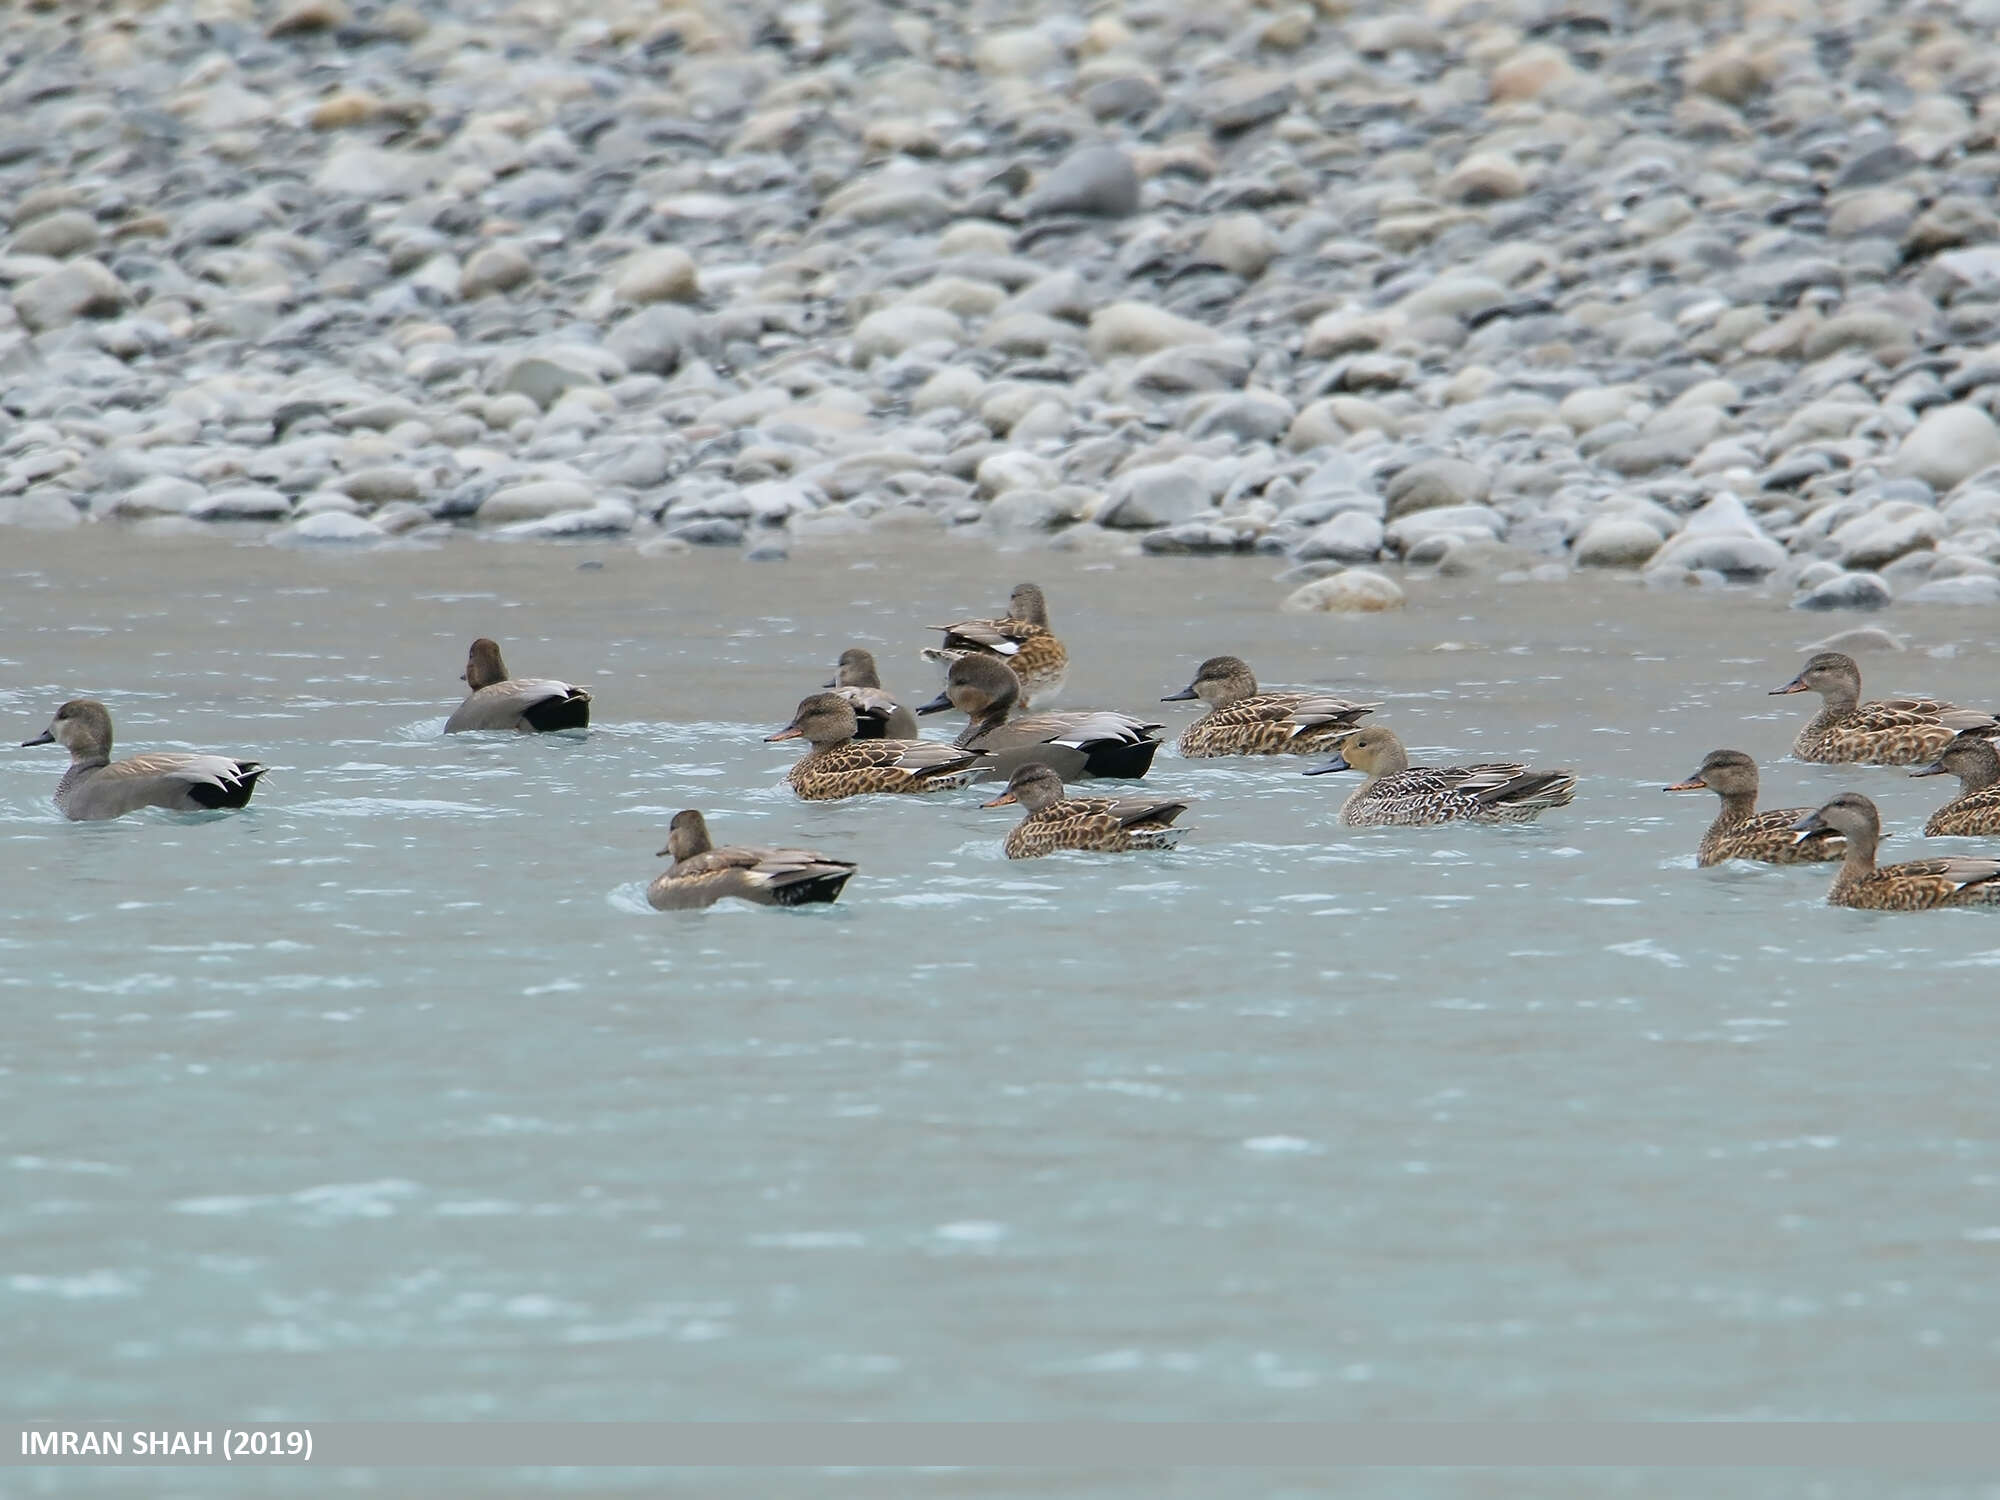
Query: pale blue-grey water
x,y
389,1097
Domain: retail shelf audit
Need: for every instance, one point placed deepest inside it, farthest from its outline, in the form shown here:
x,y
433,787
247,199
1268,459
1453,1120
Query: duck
x,y
1021,638
1885,732
1976,808
1398,794
1104,825
1242,721
881,717
524,705
1739,830
1078,745
1915,885
703,874
840,765
96,787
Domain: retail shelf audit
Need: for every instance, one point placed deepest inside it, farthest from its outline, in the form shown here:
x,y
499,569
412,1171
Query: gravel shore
x,y
1711,292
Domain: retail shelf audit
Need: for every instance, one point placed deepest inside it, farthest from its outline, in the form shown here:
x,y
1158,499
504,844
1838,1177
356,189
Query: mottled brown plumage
x,y
703,874
1884,732
1022,638
1975,811
1398,794
1916,885
1104,825
839,765
1740,831
1243,721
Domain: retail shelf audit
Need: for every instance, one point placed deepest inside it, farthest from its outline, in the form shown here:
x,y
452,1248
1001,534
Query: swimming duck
x,y
526,705
96,787
1956,880
1077,745
881,716
1022,639
1739,830
1108,825
1886,732
1976,808
1243,721
703,874
1398,794
839,765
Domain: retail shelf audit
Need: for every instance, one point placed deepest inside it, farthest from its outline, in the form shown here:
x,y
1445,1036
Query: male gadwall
x,y
1885,732
527,705
1739,830
703,874
95,786
1095,743
1976,808
1398,794
1916,885
839,765
1022,639
1242,721
881,716
1107,825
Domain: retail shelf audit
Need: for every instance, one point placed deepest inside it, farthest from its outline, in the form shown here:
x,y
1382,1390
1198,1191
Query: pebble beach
x,y
1707,293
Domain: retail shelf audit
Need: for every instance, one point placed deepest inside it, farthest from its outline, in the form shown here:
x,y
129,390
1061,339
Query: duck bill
x,y
789,732
1005,799
940,704
1807,826
46,737
1796,685
829,685
1692,784
663,853
1935,768
1338,763
1182,696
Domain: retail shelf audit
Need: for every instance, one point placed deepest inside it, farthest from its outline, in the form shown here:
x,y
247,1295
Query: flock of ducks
x,y
862,740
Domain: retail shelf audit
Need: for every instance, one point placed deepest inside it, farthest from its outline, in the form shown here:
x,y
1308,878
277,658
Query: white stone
x,y
1351,591
1950,444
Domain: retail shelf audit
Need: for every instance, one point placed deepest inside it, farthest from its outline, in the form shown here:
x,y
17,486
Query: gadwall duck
x,y
703,874
95,786
1077,745
526,705
839,765
1916,885
1242,721
1022,639
1107,825
1885,732
1976,808
1739,830
1398,794
881,717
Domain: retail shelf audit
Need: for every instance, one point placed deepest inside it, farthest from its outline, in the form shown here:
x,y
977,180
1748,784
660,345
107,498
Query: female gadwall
x,y
1886,732
881,716
1097,743
1243,721
1739,830
839,765
1107,825
1916,885
1976,808
526,705
1398,794
703,874
96,787
1022,639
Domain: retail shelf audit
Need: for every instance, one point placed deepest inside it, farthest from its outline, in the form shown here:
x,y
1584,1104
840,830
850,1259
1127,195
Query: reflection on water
x,y
390,1097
